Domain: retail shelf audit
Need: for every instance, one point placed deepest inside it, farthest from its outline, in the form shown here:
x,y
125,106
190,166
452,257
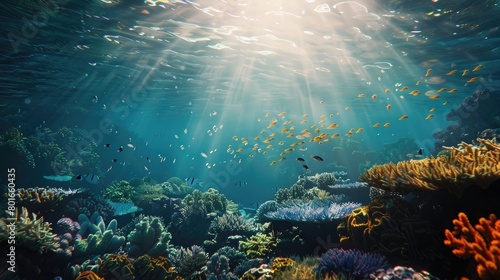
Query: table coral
x,y
464,166
482,242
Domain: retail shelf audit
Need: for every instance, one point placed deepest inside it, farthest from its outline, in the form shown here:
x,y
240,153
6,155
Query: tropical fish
x,y
430,116
403,88
335,135
376,125
388,107
477,68
441,90
305,167
333,126
403,117
273,162
281,114
428,72
432,110
466,71
317,158
386,90
240,184
453,90
282,159
387,124
374,96
361,95
303,121
90,178
192,182
359,130
434,96
59,178
473,79
414,92
273,123
451,72
120,149
299,159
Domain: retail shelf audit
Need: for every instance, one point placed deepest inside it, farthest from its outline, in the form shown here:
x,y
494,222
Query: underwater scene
x,y
248,139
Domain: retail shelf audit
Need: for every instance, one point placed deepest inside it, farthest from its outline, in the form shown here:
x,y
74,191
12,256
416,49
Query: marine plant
x,y
259,245
120,191
31,233
480,242
351,262
149,237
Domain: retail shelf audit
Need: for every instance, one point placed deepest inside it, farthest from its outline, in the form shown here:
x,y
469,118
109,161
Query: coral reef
x,y
475,114
323,180
149,237
465,166
229,223
401,272
88,205
258,246
31,234
115,266
218,268
234,256
350,263
189,261
147,267
298,192
176,187
481,242
313,211
391,227
264,208
120,191
101,239
88,275
301,269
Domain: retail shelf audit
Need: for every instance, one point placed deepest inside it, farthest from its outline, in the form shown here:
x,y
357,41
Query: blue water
x,y
180,79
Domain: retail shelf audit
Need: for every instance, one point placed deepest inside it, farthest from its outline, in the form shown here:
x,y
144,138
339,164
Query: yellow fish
x,y
284,130
477,68
403,88
415,92
273,162
268,114
255,148
281,143
269,139
300,137
429,116
333,126
434,96
453,90
446,102
335,135
263,131
272,134
376,125
239,150
269,146
256,138
292,127
331,115
432,110
303,121
316,130
347,108
403,117
417,83
466,71
473,79
359,130
388,107
282,159
305,115
250,155
361,95
451,72
374,96
264,153
441,89
386,90
428,72
274,122
281,114
387,124
258,119
290,135
322,116
235,138
322,121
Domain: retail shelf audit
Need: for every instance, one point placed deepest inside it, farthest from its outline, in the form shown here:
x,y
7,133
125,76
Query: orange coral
x,y
481,242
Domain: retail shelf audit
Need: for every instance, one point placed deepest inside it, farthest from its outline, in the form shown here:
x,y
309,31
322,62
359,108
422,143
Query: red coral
x,y
481,242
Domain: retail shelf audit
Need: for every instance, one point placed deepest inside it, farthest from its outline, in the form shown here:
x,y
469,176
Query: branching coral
x,y
190,261
31,233
465,166
482,242
258,245
229,223
119,192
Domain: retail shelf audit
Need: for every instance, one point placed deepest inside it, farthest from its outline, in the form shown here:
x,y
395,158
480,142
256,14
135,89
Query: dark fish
x,y
95,99
421,151
317,158
78,177
114,160
192,182
299,159
148,159
107,145
240,184
305,167
120,149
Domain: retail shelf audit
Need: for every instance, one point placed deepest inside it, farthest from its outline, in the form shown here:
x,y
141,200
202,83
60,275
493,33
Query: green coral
x,y
175,187
149,237
31,233
258,246
211,200
120,191
102,239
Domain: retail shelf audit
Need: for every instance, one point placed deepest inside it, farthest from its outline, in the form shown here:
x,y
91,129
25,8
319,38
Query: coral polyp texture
x,y
465,165
481,242
32,233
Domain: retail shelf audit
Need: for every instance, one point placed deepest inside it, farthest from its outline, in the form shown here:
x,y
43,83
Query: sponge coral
x,y
481,242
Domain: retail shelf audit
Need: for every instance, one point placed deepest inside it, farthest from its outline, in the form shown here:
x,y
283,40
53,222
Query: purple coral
x,y
67,225
351,262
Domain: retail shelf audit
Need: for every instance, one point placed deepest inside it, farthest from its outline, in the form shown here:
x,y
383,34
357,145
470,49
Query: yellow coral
x,y
465,166
481,242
